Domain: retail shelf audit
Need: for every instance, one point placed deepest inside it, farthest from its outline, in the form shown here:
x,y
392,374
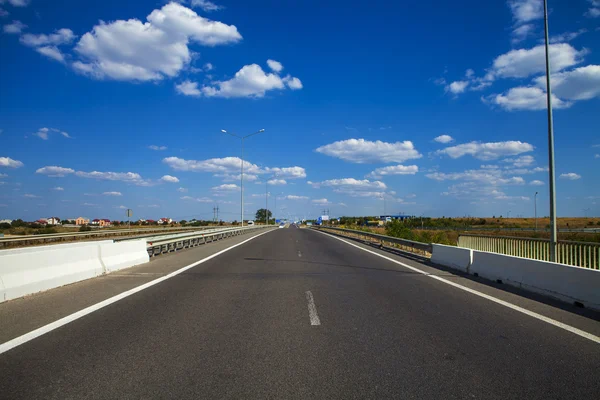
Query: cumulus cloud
x,y
294,197
277,182
54,171
394,170
251,81
276,66
321,202
133,50
188,88
567,36
15,28
112,194
10,163
206,5
536,183
525,98
457,87
43,133
486,176
522,63
60,37
169,179
526,10
157,148
487,151
182,190
570,176
353,187
226,187
578,84
519,162
17,3
444,139
363,151
287,172
198,199
594,10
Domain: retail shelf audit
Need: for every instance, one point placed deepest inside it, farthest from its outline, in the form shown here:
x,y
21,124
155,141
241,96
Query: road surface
x,y
296,314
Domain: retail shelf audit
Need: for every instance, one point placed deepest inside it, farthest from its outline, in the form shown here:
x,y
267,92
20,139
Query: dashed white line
x,y
4,347
312,309
550,321
299,254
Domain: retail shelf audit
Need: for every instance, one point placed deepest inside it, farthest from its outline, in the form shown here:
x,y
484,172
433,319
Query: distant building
x,y
82,221
53,221
5,221
104,222
165,221
388,218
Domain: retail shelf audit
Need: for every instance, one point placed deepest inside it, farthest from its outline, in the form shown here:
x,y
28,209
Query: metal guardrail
x,y
579,254
7,242
162,245
403,244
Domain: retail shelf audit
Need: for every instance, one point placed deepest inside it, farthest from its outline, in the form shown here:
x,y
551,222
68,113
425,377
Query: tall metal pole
x,y
551,172
535,209
242,184
267,201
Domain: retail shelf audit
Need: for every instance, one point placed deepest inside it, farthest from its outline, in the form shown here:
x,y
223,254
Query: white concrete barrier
x,y
34,269
561,281
452,257
24,273
119,255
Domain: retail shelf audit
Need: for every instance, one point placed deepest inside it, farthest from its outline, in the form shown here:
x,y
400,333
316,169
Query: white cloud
x,y
486,176
275,66
226,187
594,10
60,37
321,202
522,63
536,183
121,207
58,189
571,176
286,172
394,170
250,81
51,52
208,67
525,98
43,133
567,36
444,139
362,151
520,33
157,148
90,204
277,182
128,177
578,84
206,5
526,10
112,194
597,156
31,196
519,162
15,28
199,199
54,171
188,88
17,3
135,51
353,187
182,190
294,197
226,165
3,12
457,87
169,179
487,151
10,163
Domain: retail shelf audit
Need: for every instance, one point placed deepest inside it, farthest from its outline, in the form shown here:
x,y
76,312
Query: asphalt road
x,y
241,325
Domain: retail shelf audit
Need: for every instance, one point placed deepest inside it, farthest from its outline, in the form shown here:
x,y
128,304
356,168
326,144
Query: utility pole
x,y
535,209
551,171
267,202
218,214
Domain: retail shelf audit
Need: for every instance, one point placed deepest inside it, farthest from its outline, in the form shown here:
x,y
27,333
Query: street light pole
x,y
242,167
535,209
551,172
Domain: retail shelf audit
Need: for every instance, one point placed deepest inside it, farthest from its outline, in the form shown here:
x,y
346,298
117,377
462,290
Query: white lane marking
x,y
299,254
4,347
312,309
550,321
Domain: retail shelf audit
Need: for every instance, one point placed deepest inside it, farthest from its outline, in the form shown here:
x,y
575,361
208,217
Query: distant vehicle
x,y
282,225
250,223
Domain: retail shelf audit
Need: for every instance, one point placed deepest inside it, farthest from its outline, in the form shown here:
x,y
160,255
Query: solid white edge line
x,y
550,321
11,344
312,309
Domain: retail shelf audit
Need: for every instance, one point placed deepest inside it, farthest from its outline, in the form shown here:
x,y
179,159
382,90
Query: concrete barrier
x,y
451,256
35,269
560,281
119,255
24,273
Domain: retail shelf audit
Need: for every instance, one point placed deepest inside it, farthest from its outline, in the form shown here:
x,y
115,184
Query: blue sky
x,y
438,107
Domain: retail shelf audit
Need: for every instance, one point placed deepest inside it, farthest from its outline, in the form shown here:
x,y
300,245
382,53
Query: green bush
x,y
85,228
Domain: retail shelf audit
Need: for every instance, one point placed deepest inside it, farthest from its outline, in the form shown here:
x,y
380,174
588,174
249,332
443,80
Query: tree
x,y
261,215
183,222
